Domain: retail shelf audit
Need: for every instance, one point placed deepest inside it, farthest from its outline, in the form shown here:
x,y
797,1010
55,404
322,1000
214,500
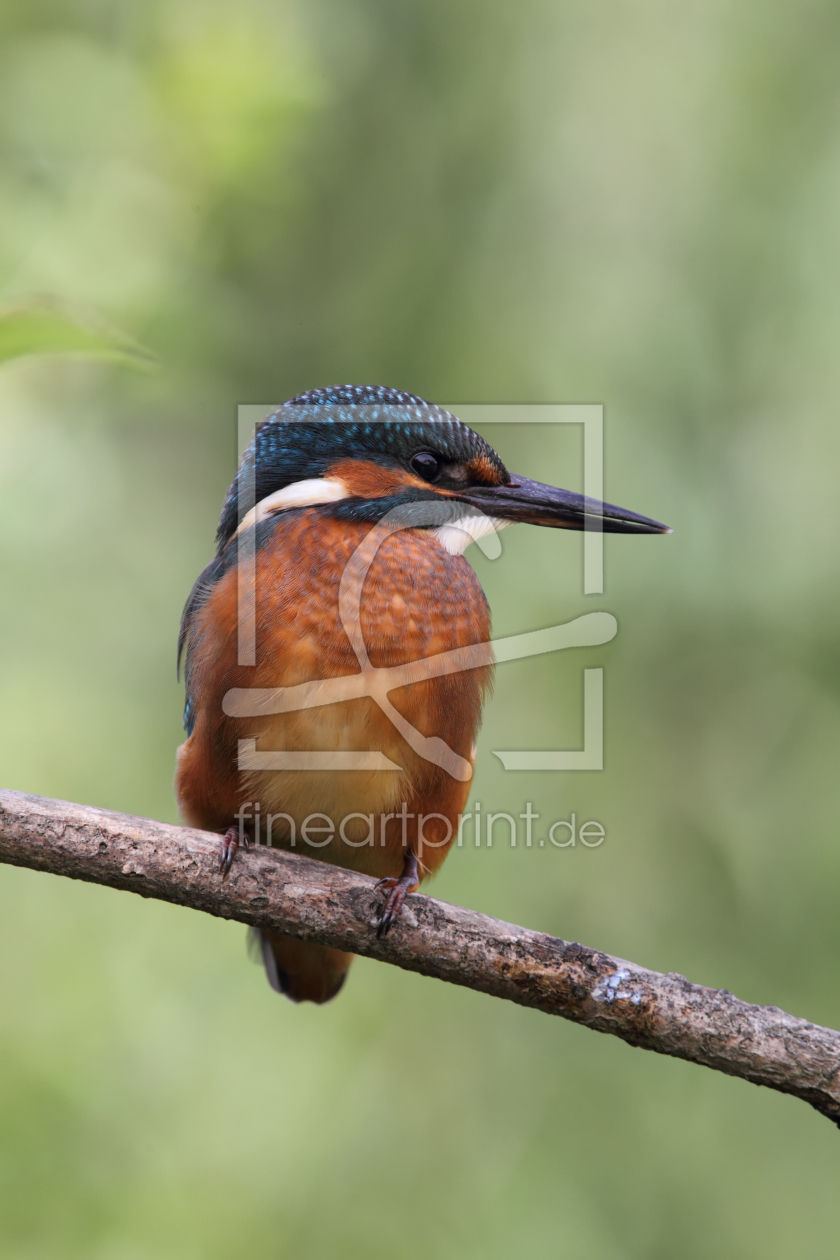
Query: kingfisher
x,y
338,644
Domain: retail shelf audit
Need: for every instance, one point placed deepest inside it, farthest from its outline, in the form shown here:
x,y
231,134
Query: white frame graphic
x,y
589,630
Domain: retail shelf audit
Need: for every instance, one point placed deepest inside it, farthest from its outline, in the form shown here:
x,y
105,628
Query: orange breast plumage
x,y
416,601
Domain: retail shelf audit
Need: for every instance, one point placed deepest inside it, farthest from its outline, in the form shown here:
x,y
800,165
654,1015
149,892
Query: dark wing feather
x,y
197,599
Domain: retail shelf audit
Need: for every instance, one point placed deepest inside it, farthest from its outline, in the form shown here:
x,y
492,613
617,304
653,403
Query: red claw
x,y
230,844
398,890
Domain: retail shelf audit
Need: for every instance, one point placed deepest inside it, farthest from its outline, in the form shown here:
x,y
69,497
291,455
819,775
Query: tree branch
x,y
285,892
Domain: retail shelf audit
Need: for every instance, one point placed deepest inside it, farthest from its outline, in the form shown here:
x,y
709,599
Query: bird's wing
x,y
198,597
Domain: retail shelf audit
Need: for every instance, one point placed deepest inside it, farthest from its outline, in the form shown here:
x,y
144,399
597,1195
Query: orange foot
x,y
398,890
230,843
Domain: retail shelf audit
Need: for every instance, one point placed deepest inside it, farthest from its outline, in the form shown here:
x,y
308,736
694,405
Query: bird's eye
x,y
426,464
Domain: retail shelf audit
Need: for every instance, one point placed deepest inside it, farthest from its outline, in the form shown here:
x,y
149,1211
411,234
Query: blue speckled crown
x,y
301,439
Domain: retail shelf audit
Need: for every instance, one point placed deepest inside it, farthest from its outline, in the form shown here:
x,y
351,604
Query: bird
x,y
346,525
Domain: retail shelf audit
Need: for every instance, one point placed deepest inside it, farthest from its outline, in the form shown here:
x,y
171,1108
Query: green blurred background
x,y
635,204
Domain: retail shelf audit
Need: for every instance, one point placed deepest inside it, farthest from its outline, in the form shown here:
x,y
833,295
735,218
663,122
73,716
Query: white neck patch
x,y
456,536
298,494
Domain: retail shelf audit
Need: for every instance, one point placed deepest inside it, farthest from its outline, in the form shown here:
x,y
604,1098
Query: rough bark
x,y
289,893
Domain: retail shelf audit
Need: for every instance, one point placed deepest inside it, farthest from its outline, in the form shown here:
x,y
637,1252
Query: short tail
x,y
298,969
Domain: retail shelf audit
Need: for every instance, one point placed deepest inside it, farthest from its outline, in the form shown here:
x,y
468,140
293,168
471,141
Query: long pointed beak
x,y
537,504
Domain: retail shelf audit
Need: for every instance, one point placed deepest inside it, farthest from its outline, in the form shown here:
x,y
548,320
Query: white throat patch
x,y
298,494
456,536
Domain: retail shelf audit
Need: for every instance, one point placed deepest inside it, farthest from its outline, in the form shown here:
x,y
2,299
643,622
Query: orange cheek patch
x,y
481,469
366,479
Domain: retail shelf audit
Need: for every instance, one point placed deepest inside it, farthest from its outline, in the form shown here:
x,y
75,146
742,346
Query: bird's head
x,y
367,451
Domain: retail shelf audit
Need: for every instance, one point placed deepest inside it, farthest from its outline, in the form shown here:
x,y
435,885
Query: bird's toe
x,y
230,844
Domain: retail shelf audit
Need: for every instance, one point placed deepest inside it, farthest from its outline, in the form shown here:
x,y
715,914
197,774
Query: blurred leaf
x,y
43,328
